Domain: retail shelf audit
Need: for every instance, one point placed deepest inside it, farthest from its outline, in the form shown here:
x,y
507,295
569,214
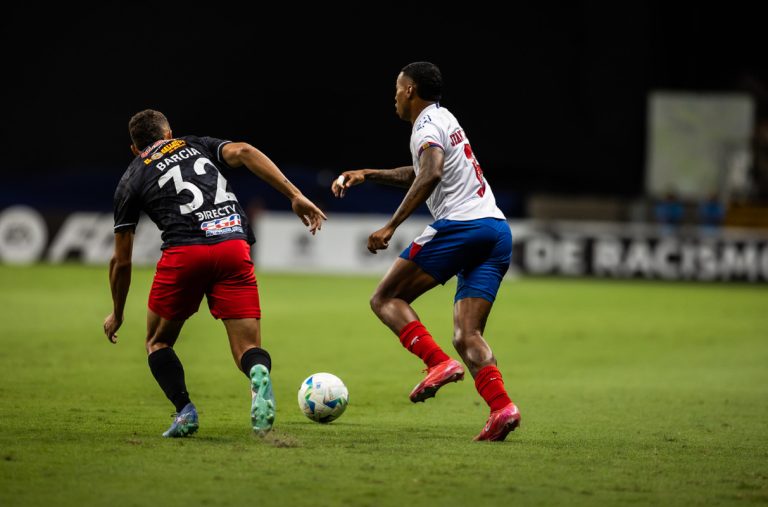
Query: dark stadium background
x,y
553,97
635,347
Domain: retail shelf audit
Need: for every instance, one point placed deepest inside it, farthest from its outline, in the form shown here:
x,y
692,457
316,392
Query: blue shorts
x,y
477,251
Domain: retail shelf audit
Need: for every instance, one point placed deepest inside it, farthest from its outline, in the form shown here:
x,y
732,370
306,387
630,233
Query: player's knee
x,y
463,338
153,343
458,339
376,302
469,339
153,346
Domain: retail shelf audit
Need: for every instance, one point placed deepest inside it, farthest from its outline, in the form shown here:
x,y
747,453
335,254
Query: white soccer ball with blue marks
x,y
323,397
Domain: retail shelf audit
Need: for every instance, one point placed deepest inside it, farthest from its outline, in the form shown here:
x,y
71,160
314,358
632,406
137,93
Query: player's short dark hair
x,y
428,79
146,127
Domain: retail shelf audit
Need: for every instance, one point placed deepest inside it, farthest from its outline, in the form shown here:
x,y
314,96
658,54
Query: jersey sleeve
x,y
428,135
214,146
127,204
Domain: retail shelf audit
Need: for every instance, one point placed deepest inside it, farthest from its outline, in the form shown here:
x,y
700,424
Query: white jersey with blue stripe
x,y
463,193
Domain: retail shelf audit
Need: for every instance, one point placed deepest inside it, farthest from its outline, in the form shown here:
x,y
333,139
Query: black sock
x,y
169,373
252,357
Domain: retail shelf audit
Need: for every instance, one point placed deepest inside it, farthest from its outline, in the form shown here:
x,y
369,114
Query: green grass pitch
x,y
632,393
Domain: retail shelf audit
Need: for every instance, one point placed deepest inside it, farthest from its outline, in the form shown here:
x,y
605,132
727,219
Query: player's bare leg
x,y
245,342
391,302
169,372
244,334
161,332
469,318
402,284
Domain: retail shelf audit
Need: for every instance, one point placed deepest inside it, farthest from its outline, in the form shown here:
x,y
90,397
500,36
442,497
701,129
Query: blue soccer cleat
x,y
262,401
184,423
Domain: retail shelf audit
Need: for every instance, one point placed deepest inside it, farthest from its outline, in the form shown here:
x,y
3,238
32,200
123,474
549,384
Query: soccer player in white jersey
x,y
470,238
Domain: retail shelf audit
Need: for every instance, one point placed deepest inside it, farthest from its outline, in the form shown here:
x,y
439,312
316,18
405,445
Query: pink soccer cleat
x,y
500,423
437,376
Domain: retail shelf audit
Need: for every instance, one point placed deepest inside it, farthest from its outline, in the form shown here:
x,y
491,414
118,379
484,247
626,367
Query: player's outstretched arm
x,y
119,281
430,174
399,177
239,154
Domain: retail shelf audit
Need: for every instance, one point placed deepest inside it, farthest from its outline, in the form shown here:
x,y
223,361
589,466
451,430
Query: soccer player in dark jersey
x,y
177,182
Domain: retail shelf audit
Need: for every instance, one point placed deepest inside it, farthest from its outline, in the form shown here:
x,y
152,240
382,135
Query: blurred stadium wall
x,y
549,247
621,140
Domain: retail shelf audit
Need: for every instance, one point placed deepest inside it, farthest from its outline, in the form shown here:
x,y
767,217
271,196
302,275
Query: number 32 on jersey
x,y
174,173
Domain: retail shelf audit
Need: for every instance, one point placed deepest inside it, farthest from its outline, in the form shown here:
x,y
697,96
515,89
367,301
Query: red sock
x,y
416,339
490,385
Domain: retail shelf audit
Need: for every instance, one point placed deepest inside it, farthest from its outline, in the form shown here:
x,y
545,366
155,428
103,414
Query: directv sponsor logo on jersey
x,y
226,225
222,212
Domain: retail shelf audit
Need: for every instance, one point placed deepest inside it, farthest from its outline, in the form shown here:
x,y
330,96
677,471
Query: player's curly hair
x,y
146,127
428,79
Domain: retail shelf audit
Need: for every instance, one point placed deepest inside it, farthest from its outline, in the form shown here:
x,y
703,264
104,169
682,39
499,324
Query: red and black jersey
x,y
179,185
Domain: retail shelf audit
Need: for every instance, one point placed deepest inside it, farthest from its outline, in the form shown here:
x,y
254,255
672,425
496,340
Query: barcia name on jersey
x,y
183,154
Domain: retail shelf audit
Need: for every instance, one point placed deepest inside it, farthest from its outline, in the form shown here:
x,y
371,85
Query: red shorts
x,y
222,271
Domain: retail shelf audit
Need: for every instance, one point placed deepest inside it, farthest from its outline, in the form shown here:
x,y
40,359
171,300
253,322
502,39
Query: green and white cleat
x,y
262,400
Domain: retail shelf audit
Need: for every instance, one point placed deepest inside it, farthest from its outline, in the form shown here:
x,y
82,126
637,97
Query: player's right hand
x,y
345,180
379,240
111,325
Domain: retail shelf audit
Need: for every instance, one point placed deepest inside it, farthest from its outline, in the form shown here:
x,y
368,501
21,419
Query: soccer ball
x,y
323,397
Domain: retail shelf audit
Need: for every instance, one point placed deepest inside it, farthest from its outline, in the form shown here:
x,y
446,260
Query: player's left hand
x,y
111,325
379,240
309,214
